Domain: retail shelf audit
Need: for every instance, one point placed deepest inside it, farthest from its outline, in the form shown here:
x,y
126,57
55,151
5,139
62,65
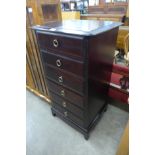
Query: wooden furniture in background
x,y
123,39
74,52
107,11
70,15
123,148
109,17
38,12
44,10
109,8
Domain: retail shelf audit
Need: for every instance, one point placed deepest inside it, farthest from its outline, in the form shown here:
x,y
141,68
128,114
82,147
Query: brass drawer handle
x,y
65,113
60,79
62,93
64,104
55,43
58,62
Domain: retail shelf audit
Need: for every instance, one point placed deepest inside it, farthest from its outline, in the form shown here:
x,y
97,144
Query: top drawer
x,y
66,45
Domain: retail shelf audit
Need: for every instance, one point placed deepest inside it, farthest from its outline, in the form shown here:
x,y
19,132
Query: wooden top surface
x,y
78,27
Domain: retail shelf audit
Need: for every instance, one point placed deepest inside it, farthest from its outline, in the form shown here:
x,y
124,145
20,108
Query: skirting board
x,y
38,94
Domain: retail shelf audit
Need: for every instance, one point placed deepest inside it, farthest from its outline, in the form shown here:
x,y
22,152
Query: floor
x,y
48,135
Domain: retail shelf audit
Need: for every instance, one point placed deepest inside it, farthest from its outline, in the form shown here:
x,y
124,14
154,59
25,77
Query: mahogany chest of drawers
x,y
73,53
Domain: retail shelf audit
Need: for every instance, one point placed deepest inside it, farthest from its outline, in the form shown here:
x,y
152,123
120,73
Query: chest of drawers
x,y
73,53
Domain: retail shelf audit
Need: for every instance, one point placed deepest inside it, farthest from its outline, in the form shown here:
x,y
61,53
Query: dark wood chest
x,y
76,55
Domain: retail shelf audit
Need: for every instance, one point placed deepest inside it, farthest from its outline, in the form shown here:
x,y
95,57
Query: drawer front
x,y
65,93
67,105
68,114
65,45
64,63
65,79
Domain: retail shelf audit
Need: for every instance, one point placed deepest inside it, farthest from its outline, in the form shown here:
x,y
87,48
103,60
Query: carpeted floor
x,y
48,135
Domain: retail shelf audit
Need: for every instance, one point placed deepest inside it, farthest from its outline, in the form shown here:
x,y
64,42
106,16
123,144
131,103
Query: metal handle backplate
x,y
62,93
55,43
60,79
58,62
64,104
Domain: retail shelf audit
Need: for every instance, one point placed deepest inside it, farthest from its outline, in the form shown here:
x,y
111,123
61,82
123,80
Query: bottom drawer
x,y
68,114
67,105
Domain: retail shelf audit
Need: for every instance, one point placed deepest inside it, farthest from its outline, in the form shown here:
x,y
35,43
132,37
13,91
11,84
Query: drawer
x,y
70,46
64,78
68,114
67,105
65,93
64,63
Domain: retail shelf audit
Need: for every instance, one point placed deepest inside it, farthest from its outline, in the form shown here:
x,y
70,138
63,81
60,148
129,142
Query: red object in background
x,y
119,83
118,95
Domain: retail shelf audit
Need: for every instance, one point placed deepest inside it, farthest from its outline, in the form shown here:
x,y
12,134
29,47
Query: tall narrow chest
x,y
77,55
